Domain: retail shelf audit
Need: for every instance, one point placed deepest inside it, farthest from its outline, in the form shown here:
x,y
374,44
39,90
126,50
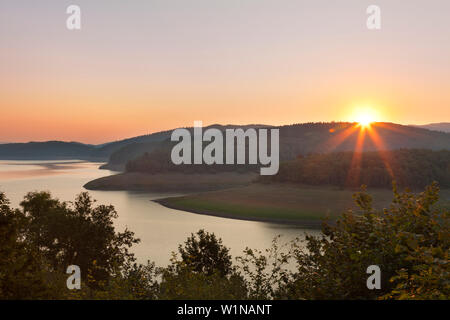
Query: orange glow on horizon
x,y
365,116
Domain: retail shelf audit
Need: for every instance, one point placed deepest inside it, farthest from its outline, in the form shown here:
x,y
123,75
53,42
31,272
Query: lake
x,y
160,229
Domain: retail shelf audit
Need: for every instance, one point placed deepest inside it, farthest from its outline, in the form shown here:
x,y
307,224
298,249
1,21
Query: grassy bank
x,y
281,203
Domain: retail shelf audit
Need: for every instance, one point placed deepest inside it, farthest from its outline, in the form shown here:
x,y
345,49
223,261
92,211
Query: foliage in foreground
x,y
409,241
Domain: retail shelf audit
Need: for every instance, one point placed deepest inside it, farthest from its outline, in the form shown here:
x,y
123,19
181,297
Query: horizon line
x,y
214,124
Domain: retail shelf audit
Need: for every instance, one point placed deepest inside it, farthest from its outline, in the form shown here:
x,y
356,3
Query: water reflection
x,y
27,169
160,229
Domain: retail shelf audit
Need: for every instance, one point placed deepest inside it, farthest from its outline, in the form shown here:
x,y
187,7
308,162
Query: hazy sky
x,y
142,66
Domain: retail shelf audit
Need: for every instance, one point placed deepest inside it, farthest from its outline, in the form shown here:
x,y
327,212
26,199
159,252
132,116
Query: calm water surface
x,y
160,229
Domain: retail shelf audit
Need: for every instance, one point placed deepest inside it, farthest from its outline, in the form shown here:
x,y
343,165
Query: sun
x,y
365,120
365,116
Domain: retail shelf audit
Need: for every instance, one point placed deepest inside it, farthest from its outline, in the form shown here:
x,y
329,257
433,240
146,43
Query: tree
x,y
205,271
79,234
182,283
408,241
21,273
204,253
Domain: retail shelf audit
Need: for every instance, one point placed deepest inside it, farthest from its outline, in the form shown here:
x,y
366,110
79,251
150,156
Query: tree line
x,y
408,167
303,139
409,241
413,168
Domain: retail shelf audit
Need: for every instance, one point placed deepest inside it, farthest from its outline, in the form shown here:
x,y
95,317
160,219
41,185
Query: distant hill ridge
x,y
45,150
295,139
441,126
300,140
49,150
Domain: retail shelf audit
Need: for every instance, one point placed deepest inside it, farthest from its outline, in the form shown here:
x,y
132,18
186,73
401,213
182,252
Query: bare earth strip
x,y
171,182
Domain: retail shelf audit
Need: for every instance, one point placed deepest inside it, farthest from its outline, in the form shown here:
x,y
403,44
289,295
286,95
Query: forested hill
x,y
408,167
297,139
121,156
109,148
302,139
441,126
49,150
56,150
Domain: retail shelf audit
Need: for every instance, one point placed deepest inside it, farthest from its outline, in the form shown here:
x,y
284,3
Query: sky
x,y
137,67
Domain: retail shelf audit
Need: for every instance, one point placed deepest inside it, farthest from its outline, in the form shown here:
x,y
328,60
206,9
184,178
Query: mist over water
x,y
160,229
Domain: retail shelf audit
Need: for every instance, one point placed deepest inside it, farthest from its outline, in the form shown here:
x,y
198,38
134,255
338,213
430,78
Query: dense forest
x,y
408,167
310,142
159,161
409,242
296,139
306,138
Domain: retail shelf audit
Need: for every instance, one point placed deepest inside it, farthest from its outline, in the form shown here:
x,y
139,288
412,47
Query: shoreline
x,y
313,224
170,182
